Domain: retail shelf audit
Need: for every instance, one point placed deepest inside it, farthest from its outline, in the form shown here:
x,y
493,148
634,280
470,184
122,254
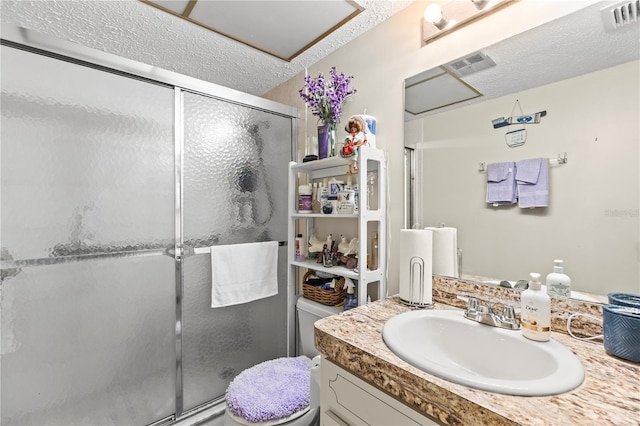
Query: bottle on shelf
x,y
325,205
316,206
372,203
304,198
356,197
349,185
373,256
300,254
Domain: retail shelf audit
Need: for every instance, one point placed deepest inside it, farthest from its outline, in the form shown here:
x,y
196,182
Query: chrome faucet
x,y
485,314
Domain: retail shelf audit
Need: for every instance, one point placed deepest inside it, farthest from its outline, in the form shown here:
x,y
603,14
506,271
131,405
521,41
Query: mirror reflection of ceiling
x,y
299,24
443,86
570,46
434,89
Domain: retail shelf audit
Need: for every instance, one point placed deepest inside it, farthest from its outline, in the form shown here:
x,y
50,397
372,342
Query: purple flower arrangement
x,y
325,97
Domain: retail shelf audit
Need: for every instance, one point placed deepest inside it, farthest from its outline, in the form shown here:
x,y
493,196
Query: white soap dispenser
x,y
535,313
558,284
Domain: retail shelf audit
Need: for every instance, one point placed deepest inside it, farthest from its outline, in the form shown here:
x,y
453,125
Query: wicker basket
x,y
326,297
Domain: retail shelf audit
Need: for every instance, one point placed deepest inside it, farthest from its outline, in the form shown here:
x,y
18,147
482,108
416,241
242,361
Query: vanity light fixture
x,y
441,18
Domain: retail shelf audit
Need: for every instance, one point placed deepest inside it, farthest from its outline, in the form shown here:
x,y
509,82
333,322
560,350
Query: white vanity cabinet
x,y
346,400
369,219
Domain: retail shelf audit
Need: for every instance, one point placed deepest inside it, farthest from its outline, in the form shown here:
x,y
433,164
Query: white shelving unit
x,y
370,160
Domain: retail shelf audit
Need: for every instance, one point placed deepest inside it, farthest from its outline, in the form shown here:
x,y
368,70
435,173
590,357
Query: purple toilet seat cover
x,y
270,390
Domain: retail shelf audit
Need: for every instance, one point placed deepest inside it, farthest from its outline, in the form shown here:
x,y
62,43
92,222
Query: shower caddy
x,y
370,219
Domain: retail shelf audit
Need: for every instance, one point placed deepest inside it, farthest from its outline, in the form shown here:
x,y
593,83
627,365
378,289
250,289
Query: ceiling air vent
x,y
621,14
470,64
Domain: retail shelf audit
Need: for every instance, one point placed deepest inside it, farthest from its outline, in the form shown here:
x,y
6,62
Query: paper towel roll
x,y
415,255
445,251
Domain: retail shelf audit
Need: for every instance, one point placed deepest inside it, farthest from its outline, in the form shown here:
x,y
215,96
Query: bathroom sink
x,y
447,345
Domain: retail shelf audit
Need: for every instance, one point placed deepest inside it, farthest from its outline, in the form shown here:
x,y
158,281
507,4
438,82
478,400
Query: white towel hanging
x,y
242,273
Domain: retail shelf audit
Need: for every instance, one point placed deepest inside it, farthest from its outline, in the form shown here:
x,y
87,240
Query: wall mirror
x,y
586,76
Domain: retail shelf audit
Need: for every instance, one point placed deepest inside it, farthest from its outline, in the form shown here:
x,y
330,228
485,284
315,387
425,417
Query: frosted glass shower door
x,y
87,218
235,190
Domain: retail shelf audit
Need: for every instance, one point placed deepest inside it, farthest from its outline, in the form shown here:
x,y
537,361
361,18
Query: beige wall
x,y
382,58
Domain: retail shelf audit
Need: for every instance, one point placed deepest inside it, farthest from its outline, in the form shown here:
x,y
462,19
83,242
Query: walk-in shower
x,y
112,172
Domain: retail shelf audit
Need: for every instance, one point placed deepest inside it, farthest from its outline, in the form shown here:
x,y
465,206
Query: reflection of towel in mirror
x,y
532,177
501,184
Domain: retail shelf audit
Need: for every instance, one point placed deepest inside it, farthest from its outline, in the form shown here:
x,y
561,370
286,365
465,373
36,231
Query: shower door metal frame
x,y
179,250
409,188
29,40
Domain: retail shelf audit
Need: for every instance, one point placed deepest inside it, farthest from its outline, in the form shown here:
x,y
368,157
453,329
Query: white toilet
x,y
308,312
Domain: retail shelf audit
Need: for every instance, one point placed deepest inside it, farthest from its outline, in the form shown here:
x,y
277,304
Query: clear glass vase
x,y
327,140
332,150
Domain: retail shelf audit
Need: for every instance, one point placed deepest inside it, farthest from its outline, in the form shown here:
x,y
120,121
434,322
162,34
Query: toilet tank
x,y
308,313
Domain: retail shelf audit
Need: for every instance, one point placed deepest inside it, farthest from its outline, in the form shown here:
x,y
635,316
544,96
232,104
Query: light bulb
x,y
480,4
433,13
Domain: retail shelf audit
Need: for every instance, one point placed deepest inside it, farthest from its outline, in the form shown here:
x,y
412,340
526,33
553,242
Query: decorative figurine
x,y
316,246
343,245
356,127
353,247
326,257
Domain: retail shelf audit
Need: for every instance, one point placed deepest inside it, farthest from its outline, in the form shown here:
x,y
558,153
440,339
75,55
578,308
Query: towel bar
x,y
205,250
560,159
8,264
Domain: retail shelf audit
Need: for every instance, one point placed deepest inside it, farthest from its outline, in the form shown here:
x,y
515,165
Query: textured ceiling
x,y
136,31
567,47
245,21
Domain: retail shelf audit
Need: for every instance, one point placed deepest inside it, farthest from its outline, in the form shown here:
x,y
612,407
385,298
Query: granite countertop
x,y
609,395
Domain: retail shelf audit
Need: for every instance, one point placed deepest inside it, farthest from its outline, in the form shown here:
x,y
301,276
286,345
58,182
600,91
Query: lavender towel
x,y
271,390
532,177
501,184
